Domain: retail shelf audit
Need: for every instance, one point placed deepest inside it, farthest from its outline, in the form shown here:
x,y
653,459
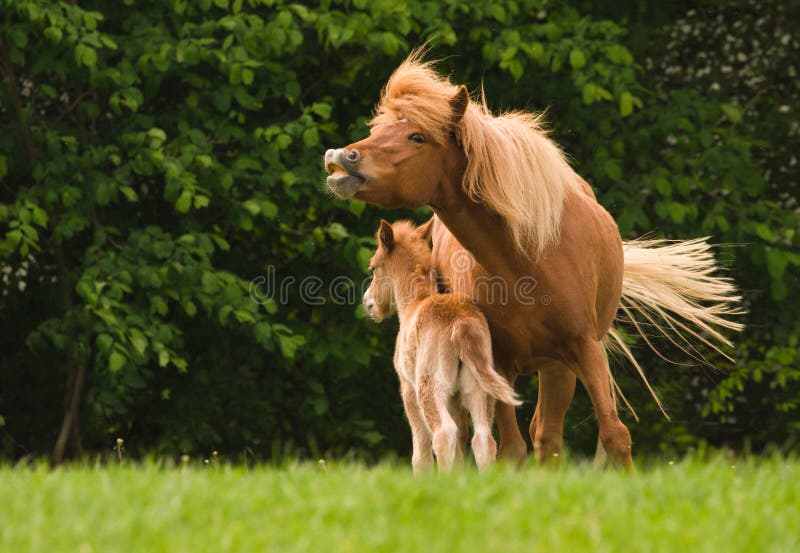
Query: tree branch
x,y
13,90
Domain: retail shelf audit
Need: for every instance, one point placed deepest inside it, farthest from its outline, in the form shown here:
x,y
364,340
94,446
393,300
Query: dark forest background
x,y
158,156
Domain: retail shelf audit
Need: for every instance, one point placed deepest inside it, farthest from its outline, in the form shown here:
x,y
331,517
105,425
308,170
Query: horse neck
x,y
479,230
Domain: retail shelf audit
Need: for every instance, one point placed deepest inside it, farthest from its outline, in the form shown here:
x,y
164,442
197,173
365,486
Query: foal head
x,y
412,143
401,267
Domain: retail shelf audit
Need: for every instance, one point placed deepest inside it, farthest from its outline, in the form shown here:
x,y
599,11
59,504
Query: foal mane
x,y
512,166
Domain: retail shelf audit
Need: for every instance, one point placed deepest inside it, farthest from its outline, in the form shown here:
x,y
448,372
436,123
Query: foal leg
x,y
459,414
433,398
556,390
592,369
422,454
481,409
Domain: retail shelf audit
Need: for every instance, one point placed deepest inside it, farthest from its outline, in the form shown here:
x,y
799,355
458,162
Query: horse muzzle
x,y
343,180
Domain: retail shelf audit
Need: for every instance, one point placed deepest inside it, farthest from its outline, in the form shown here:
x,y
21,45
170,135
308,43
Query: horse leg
x,y
592,369
422,455
512,445
556,390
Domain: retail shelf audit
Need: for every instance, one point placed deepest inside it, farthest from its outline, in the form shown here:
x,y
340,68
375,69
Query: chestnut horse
x,y
505,191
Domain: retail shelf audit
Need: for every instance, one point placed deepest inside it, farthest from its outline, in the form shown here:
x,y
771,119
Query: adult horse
x,y
505,192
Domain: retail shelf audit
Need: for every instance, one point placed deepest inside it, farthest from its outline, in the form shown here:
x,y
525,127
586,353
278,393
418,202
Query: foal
x,y
443,353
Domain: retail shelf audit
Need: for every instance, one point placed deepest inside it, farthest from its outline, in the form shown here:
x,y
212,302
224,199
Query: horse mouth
x,y
343,184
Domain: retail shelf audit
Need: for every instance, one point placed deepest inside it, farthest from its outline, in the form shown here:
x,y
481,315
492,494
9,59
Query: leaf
x,y
577,59
356,207
263,332
129,193
139,342
104,342
625,104
732,112
269,209
290,344
53,34
322,109
209,283
87,55
190,308
677,212
243,316
776,263
252,206
223,314
39,216
311,137
664,187
363,256
337,231
13,237
499,13
588,93
612,169
619,54
184,202
763,231
116,361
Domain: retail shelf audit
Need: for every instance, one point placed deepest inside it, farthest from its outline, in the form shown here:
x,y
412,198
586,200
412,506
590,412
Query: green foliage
x,y
158,158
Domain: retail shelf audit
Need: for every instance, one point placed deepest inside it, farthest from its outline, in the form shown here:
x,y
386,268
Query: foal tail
x,y
670,288
474,343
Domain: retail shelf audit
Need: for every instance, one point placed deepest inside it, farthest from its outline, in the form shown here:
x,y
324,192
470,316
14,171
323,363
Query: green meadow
x,y
719,505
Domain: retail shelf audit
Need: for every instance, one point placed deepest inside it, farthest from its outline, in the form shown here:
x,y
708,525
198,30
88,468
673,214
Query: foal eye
x,y
416,137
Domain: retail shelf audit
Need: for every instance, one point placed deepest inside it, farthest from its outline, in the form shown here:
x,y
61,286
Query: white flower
x,y
784,109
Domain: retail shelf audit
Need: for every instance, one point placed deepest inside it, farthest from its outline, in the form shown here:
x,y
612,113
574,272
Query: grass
x,y
693,505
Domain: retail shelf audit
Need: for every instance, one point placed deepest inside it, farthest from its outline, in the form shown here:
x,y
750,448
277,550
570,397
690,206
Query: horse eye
x,y
416,137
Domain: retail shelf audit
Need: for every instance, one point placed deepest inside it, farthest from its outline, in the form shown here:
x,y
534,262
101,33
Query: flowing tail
x,y
670,289
474,343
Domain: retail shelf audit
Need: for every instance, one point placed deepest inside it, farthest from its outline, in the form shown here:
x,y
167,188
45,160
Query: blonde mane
x,y
512,166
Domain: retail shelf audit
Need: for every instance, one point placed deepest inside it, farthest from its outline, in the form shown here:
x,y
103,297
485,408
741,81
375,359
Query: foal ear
x,y
386,235
425,230
459,103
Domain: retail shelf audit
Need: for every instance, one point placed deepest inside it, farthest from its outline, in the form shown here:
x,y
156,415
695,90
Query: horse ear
x,y
386,235
425,230
459,103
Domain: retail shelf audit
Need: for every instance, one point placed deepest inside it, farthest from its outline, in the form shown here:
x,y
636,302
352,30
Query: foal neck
x,y
411,286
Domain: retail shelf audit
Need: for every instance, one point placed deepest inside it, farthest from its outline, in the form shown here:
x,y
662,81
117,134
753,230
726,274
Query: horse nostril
x,y
352,156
